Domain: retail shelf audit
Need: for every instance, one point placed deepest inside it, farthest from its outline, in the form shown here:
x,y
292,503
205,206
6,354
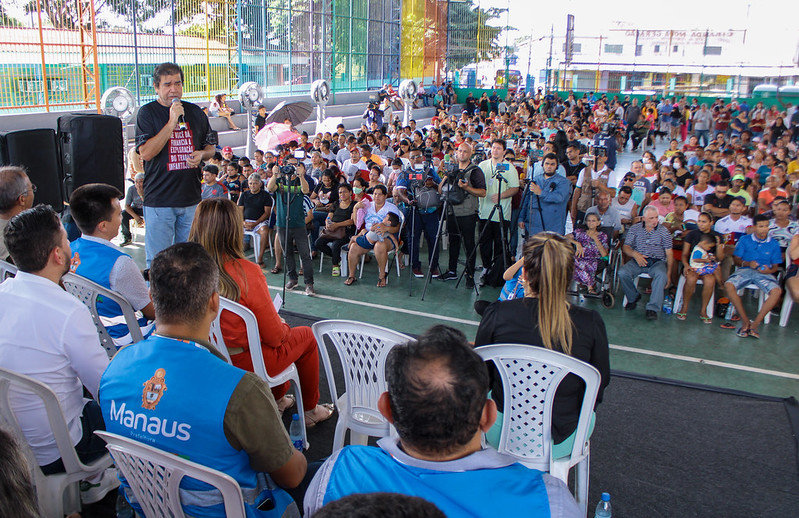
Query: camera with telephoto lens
x,y
428,155
288,170
607,129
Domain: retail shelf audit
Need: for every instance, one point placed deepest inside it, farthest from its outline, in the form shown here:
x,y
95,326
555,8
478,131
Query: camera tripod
x,y
503,238
446,211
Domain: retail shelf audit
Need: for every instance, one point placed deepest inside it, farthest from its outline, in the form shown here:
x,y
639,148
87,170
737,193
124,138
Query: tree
x,y
471,38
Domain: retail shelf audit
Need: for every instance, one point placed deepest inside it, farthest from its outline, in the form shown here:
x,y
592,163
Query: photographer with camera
x,y
462,186
502,183
606,139
417,189
291,187
545,204
595,178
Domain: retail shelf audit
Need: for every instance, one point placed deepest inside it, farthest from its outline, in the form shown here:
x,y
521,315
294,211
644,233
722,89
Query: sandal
x,y
727,325
350,281
735,318
706,320
681,316
742,333
285,403
276,269
753,333
382,282
318,414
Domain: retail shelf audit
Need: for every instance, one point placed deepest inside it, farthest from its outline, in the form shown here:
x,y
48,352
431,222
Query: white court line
x,y
704,361
390,308
690,359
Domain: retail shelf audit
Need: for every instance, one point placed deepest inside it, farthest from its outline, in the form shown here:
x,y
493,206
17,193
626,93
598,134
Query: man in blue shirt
x,y
417,188
544,208
97,212
757,257
436,399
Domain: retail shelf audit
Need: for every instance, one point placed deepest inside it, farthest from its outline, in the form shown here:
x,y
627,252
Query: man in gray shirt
x,y
16,195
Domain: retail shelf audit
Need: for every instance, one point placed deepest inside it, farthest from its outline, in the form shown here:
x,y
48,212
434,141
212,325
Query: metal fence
x,y
62,54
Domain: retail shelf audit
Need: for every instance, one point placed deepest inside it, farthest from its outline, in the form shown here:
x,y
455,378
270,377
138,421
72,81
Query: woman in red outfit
x,y
218,228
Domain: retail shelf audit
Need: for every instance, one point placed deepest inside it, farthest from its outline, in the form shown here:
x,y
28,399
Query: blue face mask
x,y
357,190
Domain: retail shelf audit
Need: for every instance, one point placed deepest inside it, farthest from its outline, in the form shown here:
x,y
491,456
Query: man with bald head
x,y
437,401
16,195
462,187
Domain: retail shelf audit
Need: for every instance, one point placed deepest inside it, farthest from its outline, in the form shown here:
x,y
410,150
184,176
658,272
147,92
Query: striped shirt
x,y
651,243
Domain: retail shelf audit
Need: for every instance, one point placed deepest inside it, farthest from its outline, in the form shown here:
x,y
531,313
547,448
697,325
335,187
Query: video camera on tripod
x,y
479,153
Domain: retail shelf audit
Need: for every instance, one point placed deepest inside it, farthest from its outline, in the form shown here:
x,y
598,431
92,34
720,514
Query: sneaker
x,y
125,242
337,271
435,274
292,284
651,314
417,272
93,492
309,290
469,282
448,276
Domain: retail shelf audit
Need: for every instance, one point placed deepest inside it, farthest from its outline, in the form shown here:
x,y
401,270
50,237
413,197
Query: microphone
x,y
181,119
552,187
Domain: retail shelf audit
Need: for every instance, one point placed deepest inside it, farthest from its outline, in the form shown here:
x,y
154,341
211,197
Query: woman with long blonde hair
x,y
218,227
545,318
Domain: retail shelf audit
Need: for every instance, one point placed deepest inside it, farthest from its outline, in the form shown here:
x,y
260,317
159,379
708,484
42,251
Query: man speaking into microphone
x,y
544,206
173,138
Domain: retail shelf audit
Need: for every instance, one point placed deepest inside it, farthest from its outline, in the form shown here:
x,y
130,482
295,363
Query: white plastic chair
x,y
88,292
530,376
58,494
678,296
155,475
388,263
787,302
254,344
256,242
362,349
7,270
640,276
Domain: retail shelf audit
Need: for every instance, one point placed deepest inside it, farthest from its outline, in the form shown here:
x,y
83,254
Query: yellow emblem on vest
x,y
154,388
75,262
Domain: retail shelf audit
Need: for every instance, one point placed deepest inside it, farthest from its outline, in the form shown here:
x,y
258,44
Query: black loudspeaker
x,y
37,151
91,150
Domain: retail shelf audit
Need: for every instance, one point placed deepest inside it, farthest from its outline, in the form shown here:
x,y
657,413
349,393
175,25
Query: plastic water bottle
x,y
295,432
603,507
668,302
123,509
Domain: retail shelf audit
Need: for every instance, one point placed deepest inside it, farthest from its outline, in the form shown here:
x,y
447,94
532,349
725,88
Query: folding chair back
x,y
89,293
58,494
7,270
530,376
362,349
254,344
155,475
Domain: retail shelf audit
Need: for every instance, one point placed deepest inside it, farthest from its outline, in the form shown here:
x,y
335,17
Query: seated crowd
x,y
551,199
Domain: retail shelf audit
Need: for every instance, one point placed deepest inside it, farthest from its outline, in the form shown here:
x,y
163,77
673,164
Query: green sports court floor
x,y
688,351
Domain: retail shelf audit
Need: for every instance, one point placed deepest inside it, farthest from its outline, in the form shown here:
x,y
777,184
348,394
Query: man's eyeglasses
x,y
32,191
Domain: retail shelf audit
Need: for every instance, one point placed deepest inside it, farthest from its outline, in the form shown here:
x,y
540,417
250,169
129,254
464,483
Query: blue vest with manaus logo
x,y
512,490
172,394
95,261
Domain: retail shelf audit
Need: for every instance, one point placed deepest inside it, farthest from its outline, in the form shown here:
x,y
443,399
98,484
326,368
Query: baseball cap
x,y
434,119
227,149
739,177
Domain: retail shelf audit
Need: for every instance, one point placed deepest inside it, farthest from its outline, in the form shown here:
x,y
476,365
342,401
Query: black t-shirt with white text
x,y
168,179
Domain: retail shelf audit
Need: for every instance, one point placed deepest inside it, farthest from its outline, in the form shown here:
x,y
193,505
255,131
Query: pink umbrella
x,y
273,134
